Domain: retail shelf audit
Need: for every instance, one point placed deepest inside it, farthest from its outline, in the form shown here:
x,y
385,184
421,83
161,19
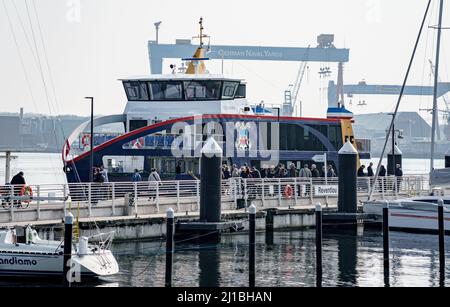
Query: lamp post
x,y
157,24
91,164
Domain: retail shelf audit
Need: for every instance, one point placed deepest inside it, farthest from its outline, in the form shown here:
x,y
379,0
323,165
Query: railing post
x,y
178,196
383,184
12,204
295,191
157,197
235,192
245,194
311,191
279,192
38,205
368,184
197,183
90,198
263,198
396,186
135,199
65,201
113,198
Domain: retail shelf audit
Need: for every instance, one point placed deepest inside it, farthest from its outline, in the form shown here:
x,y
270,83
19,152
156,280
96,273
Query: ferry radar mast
x,y
197,64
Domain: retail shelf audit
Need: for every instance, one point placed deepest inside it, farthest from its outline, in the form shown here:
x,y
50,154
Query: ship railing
x,y
145,198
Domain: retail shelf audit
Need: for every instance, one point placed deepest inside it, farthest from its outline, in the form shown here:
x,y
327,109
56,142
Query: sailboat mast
x,y
435,93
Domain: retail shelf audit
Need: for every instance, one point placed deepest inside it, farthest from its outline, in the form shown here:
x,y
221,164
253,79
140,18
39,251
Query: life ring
x,y
288,192
86,140
26,191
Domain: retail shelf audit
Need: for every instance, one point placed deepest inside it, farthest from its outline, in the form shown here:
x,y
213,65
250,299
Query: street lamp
x,y
157,24
91,164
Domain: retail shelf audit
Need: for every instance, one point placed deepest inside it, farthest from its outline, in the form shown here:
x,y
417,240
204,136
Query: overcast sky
x,y
92,43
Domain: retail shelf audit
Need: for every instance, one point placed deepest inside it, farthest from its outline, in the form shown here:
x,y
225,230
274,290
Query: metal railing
x,y
238,192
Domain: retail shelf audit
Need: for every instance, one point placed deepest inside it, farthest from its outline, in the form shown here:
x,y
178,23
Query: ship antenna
x,y
201,31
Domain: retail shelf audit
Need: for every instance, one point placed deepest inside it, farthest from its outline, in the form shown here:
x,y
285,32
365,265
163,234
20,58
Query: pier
x,y
137,210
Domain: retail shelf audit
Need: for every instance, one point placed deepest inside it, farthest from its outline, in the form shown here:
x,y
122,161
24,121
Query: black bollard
x,y
441,241
393,160
211,182
67,257
252,245
347,200
386,243
319,245
447,159
169,247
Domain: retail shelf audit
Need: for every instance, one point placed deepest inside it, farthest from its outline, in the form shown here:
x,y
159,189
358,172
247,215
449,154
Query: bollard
x,y
211,182
347,199
447,159
252,245
319,245
386,242
169,246
67,257
441,241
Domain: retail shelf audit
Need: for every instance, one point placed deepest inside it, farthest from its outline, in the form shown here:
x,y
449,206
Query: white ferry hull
x,y
401,217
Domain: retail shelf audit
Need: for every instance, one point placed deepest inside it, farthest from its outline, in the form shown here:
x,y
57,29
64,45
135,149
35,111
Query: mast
x,y
435,93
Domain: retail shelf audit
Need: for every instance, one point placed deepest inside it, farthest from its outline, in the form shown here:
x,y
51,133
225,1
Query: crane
x,y
291,95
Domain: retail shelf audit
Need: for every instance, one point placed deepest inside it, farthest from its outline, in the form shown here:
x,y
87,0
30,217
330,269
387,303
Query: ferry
x,y
167,117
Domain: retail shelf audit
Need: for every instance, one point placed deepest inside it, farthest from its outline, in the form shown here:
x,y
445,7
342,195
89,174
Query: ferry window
x,y
241,91
166,90
136,91
229,89
202,90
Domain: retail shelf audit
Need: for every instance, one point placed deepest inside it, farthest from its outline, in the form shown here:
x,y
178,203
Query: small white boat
x,y
416,214
36,257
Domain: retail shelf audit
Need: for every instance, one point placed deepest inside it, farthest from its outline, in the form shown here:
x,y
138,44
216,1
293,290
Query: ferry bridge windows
x,y
297,138
136,91
166,90
202,90
241,91
229,89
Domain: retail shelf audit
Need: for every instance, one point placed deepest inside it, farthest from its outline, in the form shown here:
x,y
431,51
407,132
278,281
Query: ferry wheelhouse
x,y
168,117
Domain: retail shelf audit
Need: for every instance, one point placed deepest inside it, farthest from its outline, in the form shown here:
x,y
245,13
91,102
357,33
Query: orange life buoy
x,y
288,192
86,140
26,191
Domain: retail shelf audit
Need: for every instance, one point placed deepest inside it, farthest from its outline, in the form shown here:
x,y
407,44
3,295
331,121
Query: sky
x,y
87,45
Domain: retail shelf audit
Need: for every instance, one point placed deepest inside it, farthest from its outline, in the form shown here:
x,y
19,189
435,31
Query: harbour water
x,y
47,168
287,262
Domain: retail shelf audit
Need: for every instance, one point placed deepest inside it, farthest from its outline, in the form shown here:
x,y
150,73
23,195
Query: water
x,y
289,262
47,168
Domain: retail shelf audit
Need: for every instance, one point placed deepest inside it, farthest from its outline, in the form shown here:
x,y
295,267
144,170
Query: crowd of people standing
x,y
279,171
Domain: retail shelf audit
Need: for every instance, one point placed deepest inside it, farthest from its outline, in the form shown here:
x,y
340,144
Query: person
x,y
178,168
381,179
331,173
18,181
235,171
370,172
136,176
255,173
265,172
154,180
292,171
399,175
314,171
305,172
226,172
104,173
361,171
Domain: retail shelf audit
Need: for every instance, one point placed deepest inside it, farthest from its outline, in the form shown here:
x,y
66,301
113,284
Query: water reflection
x,y
283,259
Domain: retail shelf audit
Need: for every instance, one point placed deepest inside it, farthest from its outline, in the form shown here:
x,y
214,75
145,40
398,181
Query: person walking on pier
x,y
361,171
370,172
382,179
154,180
314,171
18,181
399,176
305,172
